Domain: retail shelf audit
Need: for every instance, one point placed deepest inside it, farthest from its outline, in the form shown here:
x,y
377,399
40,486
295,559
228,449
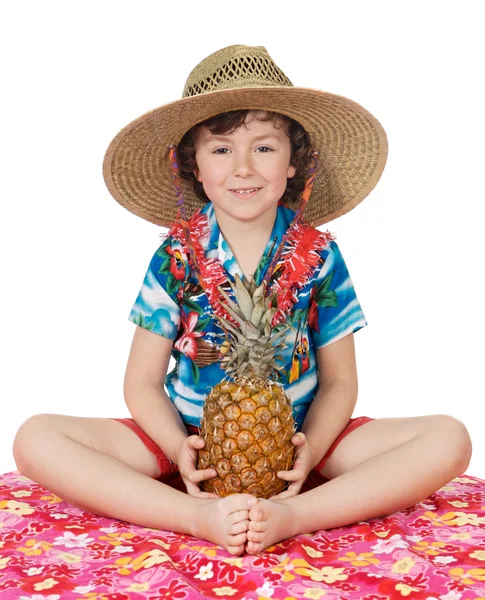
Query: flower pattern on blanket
x,y
51,550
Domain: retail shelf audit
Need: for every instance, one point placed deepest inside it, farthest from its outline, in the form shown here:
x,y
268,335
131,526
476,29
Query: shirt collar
x,y
215,246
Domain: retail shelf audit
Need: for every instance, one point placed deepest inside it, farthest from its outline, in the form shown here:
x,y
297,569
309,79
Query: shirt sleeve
x,y
334,309
156,307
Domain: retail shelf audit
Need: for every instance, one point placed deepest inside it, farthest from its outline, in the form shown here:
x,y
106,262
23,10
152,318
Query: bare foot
x,y
225,521
270,522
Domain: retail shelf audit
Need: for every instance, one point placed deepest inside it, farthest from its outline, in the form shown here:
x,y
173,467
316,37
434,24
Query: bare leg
x,y
381,485
103,485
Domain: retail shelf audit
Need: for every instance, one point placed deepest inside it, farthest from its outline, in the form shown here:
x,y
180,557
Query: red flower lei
x,y
299,258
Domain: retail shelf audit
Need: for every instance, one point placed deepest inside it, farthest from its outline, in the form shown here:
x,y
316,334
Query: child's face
x,y
256,155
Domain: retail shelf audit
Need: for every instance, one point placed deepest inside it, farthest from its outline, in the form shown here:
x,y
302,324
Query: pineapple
x,y
247,422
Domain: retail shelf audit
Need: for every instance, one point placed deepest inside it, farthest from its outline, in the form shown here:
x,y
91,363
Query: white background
x,y
73,259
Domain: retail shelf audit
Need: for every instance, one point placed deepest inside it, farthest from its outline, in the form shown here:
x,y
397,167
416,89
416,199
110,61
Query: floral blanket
x,y
50,549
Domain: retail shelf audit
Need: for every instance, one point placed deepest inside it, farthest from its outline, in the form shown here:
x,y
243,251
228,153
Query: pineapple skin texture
x,y
247,428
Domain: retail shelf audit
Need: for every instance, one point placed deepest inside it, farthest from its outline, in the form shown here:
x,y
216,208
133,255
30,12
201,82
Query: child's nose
x,y
243,166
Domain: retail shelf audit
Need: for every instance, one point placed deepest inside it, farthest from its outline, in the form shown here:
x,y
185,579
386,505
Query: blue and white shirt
x,y
172,303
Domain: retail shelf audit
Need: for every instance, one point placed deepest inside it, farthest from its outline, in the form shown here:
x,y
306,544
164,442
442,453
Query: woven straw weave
x,y
247,67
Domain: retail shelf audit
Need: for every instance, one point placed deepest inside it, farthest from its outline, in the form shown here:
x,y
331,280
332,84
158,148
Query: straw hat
x,y
351,143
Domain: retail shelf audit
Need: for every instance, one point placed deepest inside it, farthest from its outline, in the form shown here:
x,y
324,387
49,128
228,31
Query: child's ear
x,y
196,173
291,171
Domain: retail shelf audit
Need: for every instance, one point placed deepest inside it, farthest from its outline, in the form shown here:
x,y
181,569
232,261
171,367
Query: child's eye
x,y
217,150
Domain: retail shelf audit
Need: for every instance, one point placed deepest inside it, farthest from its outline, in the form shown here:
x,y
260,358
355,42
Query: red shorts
x,y
169,473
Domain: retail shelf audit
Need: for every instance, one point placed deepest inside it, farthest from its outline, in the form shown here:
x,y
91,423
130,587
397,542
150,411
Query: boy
x,y
245,195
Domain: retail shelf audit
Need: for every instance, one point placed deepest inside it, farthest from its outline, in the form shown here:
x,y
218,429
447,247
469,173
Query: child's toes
x,y
258,525
236,550
240,527
256,513
237,540
239,515
255,536
238,502
254,548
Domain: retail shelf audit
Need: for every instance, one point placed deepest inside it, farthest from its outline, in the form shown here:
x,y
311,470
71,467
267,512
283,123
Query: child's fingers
x,y
191,445
291,491
192,484
195,441
198,476
290,475
194,490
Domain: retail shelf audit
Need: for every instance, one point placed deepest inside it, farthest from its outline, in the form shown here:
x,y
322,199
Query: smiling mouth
x,y
246,192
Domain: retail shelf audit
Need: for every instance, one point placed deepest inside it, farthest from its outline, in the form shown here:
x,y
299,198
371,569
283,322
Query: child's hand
x,y
187,460
301,468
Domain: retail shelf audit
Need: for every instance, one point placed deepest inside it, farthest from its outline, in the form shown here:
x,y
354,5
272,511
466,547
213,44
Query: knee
x,y
455,439
27,437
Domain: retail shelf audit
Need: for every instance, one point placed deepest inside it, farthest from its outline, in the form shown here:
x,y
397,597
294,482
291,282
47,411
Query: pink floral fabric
x,y
51,550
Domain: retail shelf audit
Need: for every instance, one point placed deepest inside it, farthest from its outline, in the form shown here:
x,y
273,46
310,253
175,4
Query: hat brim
x,y
351,142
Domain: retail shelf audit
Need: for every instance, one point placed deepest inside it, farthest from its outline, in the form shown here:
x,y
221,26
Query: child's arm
x,y
145,395
335,399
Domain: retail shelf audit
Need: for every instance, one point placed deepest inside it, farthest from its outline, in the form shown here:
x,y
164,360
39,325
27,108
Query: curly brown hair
x,y
226,123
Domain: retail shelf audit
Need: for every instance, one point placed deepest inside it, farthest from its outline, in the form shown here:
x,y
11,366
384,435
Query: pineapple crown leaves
x,y
259,343
250,311
253,343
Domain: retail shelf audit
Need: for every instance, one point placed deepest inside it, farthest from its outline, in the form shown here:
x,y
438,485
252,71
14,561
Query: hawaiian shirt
x,y
172,303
